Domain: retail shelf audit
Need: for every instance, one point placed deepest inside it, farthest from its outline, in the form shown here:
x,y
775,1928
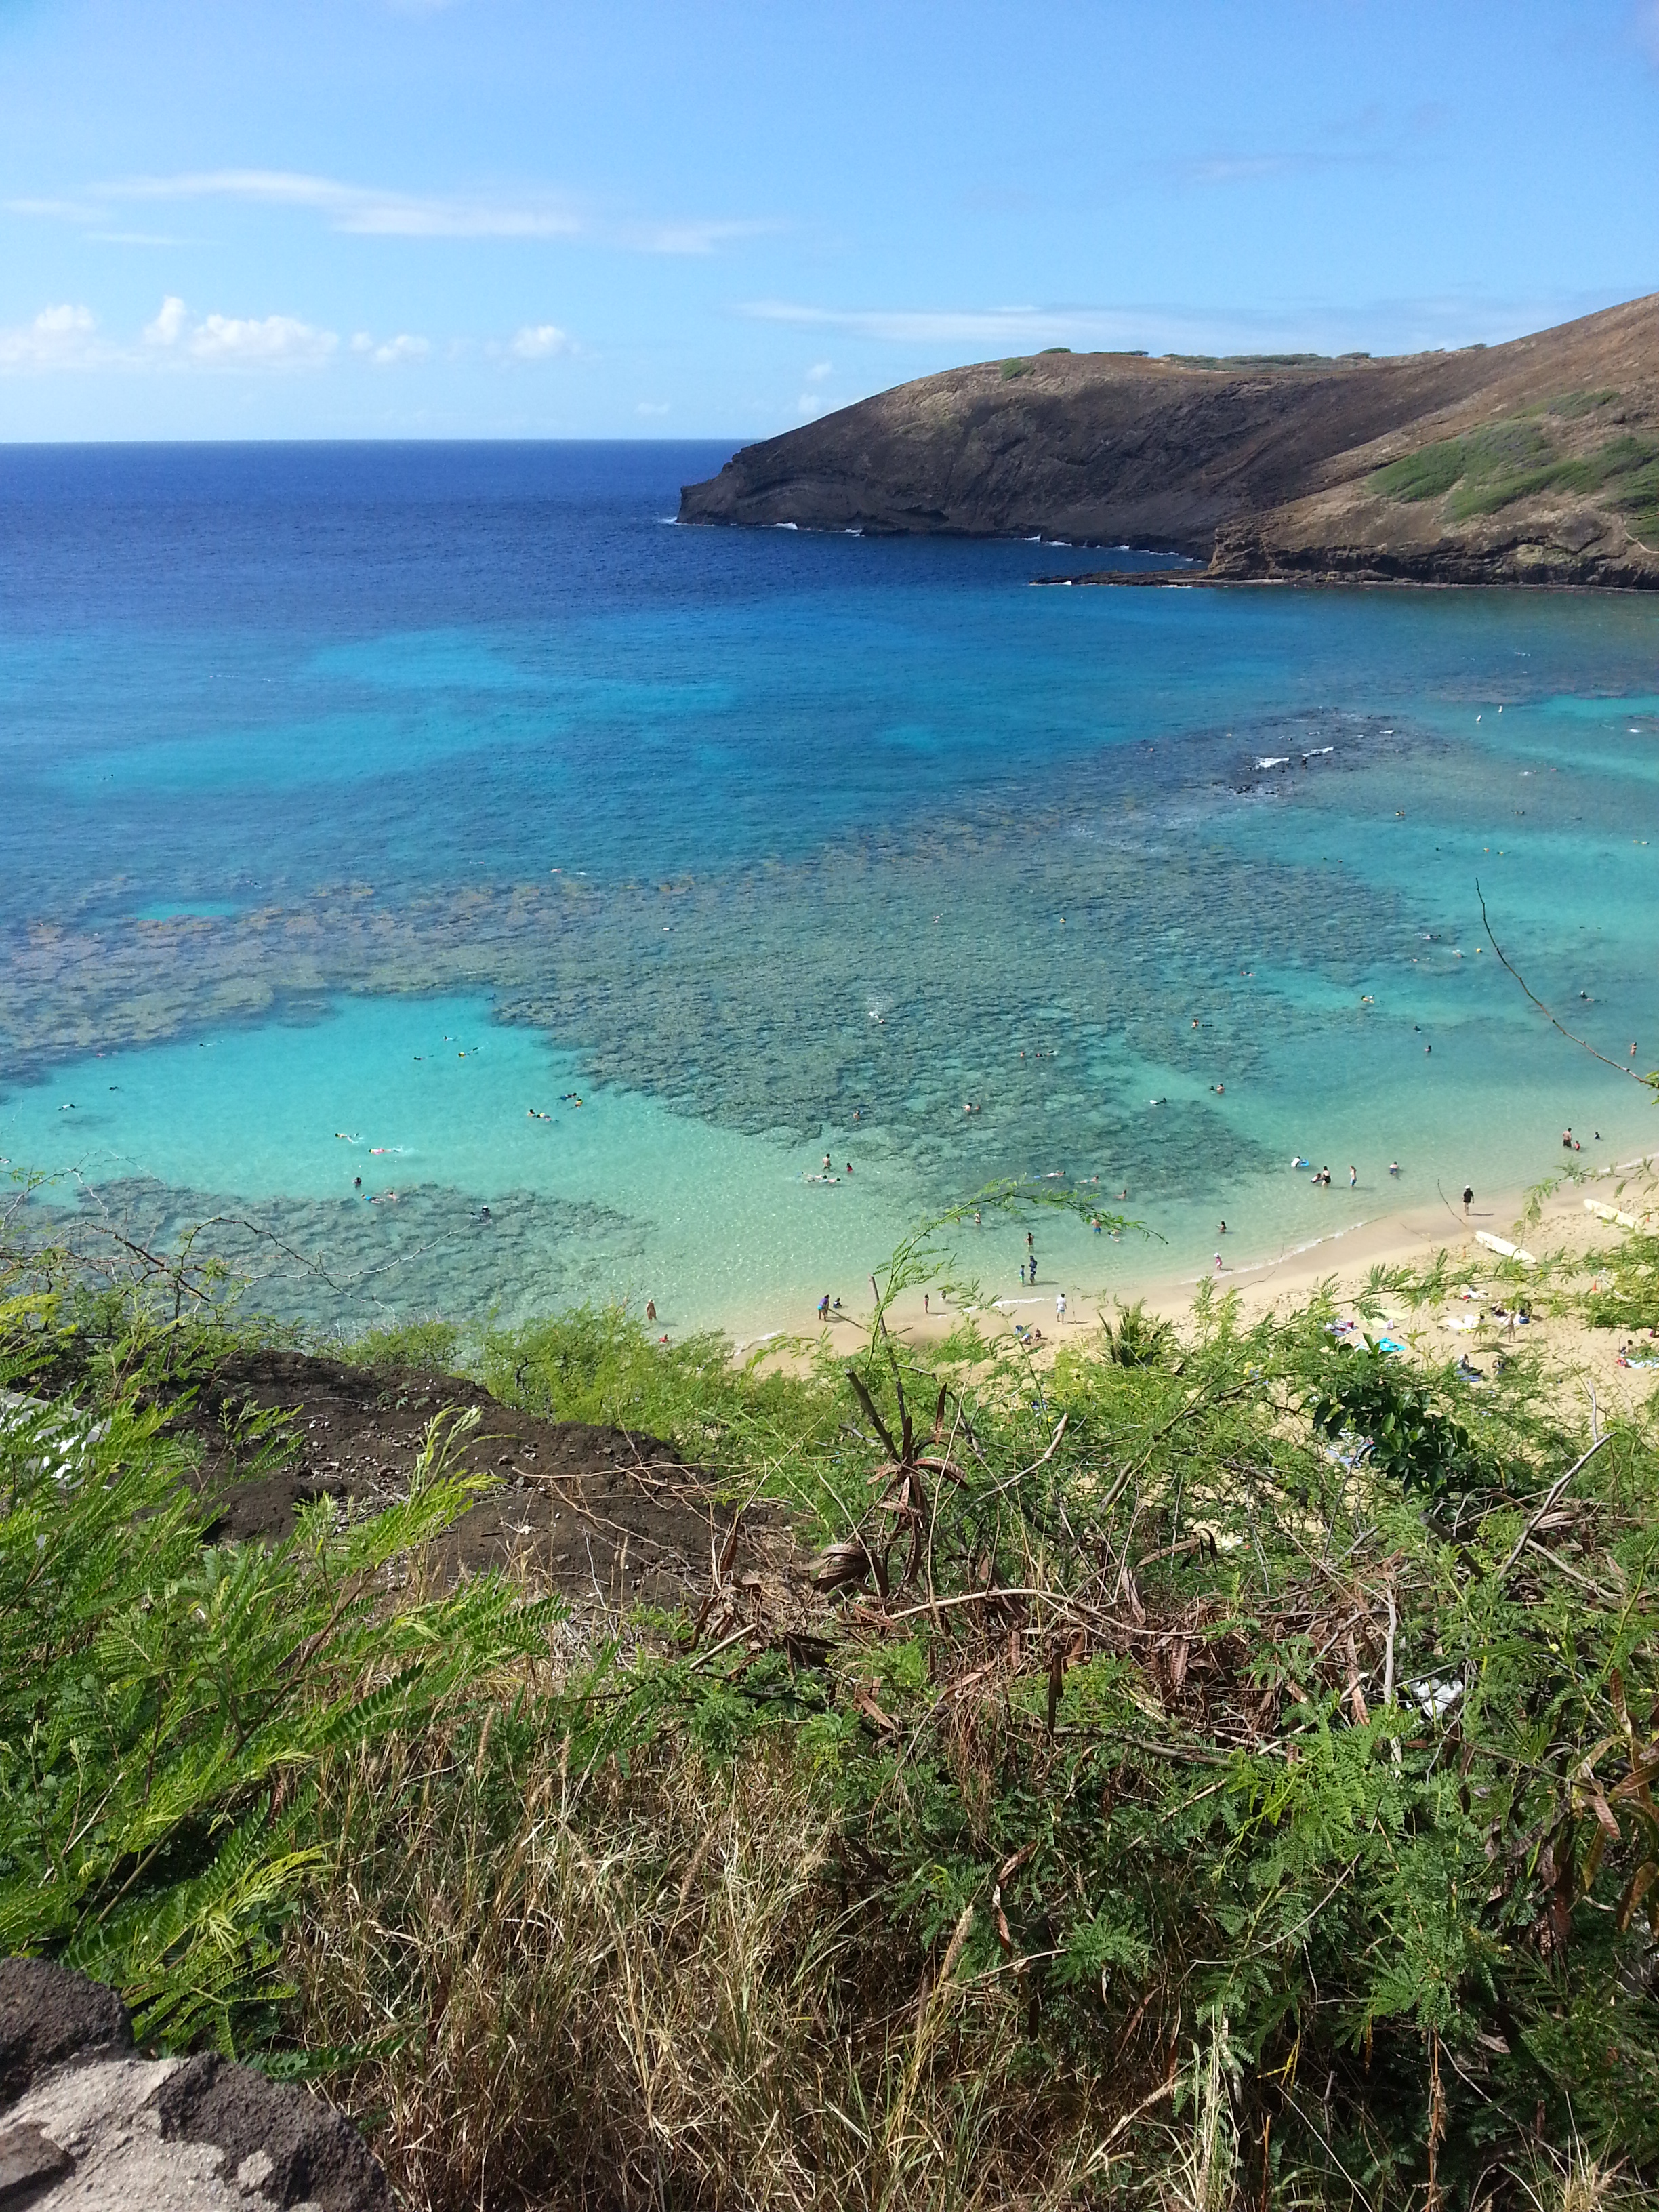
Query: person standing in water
x,y
1353,1175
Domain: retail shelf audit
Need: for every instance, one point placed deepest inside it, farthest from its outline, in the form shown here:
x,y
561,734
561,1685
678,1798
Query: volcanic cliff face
x,y
1533,462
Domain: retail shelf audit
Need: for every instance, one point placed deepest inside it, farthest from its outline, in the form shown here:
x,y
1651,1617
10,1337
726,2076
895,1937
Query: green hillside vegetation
x,y
1213,1770
1493,467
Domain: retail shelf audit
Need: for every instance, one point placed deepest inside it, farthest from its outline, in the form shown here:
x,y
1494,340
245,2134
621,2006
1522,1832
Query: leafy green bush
x,y
430,1347
165,1705
1367,1394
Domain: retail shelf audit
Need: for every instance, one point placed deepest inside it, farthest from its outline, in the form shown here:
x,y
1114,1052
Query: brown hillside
x,y
1535,461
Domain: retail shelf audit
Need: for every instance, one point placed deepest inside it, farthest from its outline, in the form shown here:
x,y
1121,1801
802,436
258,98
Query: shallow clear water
x,y
767,844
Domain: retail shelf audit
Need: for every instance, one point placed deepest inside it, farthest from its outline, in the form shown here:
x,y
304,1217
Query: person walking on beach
x,y
823,1307
1059,1310
1468,1200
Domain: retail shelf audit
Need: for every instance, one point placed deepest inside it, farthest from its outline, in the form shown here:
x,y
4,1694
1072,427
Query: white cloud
x,y
651,407
392,350
810,404
59,338
169,323
261,342
539,342
238,340
819,371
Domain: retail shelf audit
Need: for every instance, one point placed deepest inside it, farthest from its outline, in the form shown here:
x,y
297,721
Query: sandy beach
x,y
1561,1232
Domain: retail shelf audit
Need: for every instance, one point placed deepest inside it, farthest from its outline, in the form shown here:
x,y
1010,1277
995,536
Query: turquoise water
x,y
767,844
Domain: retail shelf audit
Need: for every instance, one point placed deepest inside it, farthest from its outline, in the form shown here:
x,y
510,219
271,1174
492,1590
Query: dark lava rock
x,y
310,2154
48,2017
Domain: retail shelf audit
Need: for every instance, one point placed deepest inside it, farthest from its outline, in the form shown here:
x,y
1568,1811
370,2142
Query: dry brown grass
x,y
652,1989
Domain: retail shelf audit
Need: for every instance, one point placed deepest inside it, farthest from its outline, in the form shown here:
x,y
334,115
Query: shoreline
x,y
1324,580
1402,1236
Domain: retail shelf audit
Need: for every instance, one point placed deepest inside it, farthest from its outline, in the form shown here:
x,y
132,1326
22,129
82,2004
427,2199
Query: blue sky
x,y
253,218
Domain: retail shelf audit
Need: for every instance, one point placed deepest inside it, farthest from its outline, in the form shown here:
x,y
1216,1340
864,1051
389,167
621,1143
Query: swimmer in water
x,y
1394,1167
826,1164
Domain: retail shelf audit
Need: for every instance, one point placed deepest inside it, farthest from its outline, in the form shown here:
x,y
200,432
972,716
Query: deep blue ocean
x,y
364,807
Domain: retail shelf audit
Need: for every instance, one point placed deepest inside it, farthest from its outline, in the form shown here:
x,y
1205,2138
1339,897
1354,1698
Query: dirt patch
x,y
608,1517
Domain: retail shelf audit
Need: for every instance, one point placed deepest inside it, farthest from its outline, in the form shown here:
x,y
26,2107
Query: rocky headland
x,y
1534,462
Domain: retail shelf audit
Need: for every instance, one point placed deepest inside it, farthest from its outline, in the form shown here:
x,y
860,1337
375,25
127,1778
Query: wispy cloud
x,y
653,407
1645,20
1010,328
1223,169
57,211
1377,326
682,238
362,209
819,370
372,211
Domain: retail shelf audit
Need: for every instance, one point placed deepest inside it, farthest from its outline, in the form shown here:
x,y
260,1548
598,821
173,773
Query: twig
x,y
1556,1488
1582,1046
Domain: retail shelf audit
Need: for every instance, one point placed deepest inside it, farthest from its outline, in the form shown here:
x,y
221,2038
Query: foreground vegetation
x,y
1212,1769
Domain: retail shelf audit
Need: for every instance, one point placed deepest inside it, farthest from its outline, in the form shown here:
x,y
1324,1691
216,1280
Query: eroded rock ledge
x,y
89,2124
